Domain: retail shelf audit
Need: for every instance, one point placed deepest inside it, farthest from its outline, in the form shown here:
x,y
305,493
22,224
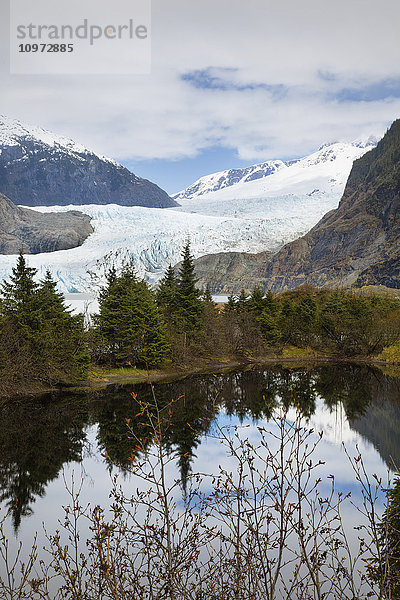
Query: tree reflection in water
x,y
39,436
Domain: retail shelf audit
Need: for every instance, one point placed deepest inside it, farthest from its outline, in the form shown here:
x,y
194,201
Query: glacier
x,y
251,215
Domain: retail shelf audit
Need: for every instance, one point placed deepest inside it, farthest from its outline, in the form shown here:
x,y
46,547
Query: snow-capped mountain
x,y
40,168
13,132
224,179
328,168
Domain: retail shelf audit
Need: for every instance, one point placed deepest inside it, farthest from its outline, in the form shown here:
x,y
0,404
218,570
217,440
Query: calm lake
x,y
46,441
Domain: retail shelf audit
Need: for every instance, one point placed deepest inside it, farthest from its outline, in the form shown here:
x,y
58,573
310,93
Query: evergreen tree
x,y
40,339
287,321
307,310
288,308
269,327
241,305
231,305
167,290
256,301
207,297
331,316
270,303
60,336
51,301
111,274
130,322
189,306
19,295
155,345
18,324
114,315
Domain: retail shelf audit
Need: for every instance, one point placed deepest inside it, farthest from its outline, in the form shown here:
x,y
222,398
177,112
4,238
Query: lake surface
x,y
46,441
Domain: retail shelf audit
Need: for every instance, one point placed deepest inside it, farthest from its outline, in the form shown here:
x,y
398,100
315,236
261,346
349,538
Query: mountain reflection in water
x,y
38,436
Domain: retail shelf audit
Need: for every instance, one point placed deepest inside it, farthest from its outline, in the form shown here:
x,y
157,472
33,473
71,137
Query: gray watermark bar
x,y
80,37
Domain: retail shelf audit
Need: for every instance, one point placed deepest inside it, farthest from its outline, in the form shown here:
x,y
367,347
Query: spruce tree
x,y
114,315
207,297
18,324
288,321
231,305
270,302
60,335
166,293
130,322
256,301
44,342
307,310
189,305
51,301
19,332
155,345
241,305
19,298
269,327
332,315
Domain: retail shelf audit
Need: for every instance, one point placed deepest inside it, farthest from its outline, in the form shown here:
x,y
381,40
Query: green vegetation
x,y
189,307
340,323
390,538
42,343
40,340
391,354
130,329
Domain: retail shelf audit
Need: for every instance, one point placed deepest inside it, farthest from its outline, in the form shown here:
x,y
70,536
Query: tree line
x,y
42,341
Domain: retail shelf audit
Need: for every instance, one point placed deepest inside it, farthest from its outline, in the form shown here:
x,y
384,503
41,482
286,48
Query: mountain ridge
x,y
153,237
239,178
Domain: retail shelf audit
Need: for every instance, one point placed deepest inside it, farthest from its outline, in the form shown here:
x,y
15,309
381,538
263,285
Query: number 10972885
x,y
45,48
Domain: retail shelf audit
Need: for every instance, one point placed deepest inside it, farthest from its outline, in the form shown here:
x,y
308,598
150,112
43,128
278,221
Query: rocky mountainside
x,y
225,272
356,244
32,232
359,242
38,168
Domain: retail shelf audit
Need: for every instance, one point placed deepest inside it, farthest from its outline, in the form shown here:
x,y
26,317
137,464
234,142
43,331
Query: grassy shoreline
x,y
109,377
100,378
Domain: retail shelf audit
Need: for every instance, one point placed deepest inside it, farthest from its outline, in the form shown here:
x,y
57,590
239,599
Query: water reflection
x,y
39,436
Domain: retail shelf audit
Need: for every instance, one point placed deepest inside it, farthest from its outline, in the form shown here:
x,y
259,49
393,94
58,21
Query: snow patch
x,y
12,132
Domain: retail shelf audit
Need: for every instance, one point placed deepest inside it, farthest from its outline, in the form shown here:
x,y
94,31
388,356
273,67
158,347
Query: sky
x,y
232,83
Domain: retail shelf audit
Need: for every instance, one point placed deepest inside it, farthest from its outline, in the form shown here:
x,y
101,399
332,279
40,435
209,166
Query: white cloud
x,y
354,43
